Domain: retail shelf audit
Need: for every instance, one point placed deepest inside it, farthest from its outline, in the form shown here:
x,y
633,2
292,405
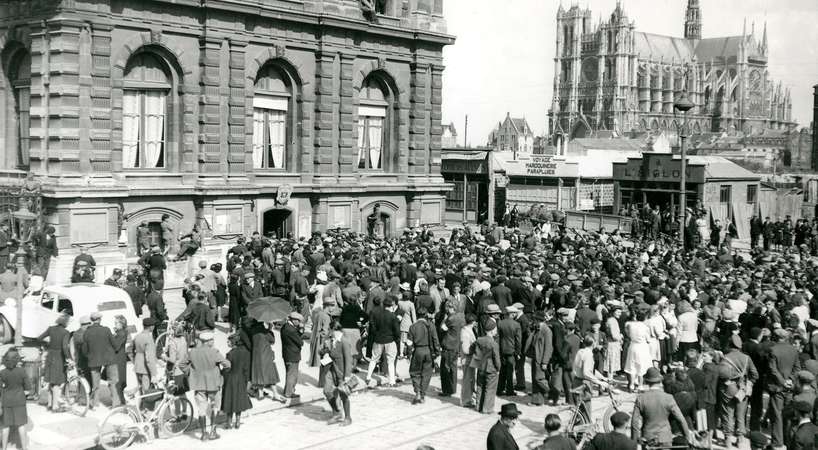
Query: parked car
x,y
40,309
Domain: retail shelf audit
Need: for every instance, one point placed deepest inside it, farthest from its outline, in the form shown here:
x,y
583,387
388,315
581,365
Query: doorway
x,y
277,221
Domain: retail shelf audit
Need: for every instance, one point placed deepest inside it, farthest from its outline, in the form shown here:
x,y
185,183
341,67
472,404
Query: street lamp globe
x,y
683,104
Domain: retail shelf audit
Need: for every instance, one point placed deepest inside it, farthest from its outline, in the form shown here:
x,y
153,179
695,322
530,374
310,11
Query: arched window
x,y
271,113
373,125
20,78
147,87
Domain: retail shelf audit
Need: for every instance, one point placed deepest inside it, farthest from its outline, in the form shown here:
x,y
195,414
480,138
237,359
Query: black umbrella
x,y
269,309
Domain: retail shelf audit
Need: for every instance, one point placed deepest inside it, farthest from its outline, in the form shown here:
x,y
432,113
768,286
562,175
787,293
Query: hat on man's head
x,y
653,376
805,376
148,322
117,271
512,309
510,410
493,308
295,316
802,406
249,275
85,320
96,316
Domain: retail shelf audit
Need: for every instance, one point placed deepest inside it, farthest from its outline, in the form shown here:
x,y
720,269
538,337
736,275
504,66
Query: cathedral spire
x,y
693,20
764,41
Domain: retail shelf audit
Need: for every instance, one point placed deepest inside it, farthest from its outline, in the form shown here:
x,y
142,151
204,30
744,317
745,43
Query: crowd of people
x,y
708,338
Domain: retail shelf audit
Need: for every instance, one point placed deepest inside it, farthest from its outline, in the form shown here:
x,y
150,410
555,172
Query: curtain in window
x,y
278,137
130,129
375,135
154,128
362,143
258,138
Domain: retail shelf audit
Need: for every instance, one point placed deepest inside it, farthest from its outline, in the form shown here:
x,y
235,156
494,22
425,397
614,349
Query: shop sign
x,y
541,165
657,169
463,166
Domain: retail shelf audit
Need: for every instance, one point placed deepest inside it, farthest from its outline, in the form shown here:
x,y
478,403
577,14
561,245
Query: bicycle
x,y
162,339
171,417
579,427
616,406
75,393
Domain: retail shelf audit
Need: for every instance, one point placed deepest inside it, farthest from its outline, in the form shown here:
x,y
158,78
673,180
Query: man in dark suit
x,y
251,289
501,293
804,432
45,245
540,348
450,328
568,352
155,264
556,379
756,230
519,364
768,233
618,439
98,342
137,295
199,314
500,437
156,306
511,344
291,342
783,364
757,353
384,332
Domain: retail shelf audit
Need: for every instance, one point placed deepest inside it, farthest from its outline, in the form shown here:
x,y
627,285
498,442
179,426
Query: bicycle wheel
x,y
119,428
77,395
175,416
626,406
161,340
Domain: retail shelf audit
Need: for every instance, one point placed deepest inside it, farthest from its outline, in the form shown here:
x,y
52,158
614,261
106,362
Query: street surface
x,y
382,418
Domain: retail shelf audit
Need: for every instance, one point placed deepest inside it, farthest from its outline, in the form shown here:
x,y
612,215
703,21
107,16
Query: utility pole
x,y
466,132
684,105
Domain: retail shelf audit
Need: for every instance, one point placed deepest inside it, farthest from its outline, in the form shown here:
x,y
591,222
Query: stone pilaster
x,y
64,107
346,120
435,127
210,111
418,118
238,111
103,158
322,159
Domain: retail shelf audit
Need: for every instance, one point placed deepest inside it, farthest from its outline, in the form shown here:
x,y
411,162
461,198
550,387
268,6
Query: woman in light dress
x,y
613,357
638,360
658,335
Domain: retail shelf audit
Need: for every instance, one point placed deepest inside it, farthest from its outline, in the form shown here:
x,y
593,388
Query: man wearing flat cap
x,y
500,437
804,432
98,343
511,345
144,355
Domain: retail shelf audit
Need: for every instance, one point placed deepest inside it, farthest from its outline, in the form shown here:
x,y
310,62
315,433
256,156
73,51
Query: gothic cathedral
x,y
615,78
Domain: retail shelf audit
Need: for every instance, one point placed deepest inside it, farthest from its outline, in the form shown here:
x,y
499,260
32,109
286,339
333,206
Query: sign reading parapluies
x,y
269,309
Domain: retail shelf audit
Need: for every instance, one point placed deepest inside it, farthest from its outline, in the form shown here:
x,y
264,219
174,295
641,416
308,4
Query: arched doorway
x,y
277,221
387,211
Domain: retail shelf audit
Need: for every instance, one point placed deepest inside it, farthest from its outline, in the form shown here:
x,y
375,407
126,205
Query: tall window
x,y
21,84
144,111
372,125
752,194
725,194
270,113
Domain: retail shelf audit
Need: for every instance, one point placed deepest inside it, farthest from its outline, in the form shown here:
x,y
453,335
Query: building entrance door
x,y
277,221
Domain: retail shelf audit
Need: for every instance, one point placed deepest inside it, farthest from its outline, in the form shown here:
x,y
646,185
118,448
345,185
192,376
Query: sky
x,y
502,61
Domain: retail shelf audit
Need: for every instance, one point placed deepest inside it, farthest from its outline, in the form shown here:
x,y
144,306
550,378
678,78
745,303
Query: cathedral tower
x,y
693,20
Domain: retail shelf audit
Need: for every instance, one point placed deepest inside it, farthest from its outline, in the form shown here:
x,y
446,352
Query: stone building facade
x,y
613,77
287,116
513,134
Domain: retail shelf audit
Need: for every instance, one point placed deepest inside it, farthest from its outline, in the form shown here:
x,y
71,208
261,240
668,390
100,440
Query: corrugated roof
x,y
608,144
718,48
668,48
721,168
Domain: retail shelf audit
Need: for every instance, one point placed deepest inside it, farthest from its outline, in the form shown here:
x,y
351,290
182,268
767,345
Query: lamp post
x,y
684,105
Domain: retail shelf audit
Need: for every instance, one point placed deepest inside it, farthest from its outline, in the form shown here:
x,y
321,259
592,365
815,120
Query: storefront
x,y
714,184
468,171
